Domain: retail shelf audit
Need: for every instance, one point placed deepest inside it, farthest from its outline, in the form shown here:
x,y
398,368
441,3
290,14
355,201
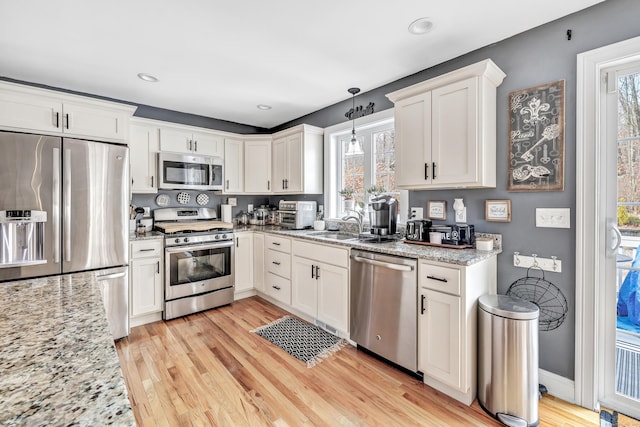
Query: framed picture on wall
x,y
536,138
498,210
437,209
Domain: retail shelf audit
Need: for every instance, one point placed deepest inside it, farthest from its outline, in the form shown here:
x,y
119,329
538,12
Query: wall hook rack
x,y
552,264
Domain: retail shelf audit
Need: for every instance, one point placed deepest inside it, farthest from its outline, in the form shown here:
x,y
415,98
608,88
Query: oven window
x,y
198,265
186,173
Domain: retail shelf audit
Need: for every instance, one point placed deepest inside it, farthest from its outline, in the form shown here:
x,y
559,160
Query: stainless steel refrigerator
x,y
63,209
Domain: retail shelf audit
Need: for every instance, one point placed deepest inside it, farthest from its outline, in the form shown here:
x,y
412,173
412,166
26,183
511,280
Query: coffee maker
x,y
383,211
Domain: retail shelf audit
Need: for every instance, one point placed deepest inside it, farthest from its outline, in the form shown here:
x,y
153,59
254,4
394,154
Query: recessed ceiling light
x,y
263,107
421,26
147,77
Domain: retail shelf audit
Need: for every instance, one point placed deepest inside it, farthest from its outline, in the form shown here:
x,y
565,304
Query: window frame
x,y
332,165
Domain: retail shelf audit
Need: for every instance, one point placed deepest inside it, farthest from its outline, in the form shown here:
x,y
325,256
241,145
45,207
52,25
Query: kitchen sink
x,y
334,235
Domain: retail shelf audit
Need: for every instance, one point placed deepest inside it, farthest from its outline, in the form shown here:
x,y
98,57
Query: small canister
x,y
141,229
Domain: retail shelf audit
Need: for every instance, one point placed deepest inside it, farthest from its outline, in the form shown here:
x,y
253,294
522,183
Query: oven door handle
x,y
225,244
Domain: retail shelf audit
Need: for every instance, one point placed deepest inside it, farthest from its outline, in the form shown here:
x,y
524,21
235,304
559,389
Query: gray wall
x,y
536,57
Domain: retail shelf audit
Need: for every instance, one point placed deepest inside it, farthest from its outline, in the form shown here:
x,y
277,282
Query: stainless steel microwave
x,y
184,171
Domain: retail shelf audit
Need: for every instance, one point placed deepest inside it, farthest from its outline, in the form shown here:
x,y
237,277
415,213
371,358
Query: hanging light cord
x,y
353,91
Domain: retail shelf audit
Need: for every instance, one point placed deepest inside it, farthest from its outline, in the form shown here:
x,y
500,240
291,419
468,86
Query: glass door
x,y
620,296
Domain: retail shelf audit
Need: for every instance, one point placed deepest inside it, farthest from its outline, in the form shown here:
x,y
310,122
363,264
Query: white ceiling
x,y
221,58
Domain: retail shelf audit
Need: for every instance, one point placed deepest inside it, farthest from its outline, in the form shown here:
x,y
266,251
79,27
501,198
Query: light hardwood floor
x,y
209,369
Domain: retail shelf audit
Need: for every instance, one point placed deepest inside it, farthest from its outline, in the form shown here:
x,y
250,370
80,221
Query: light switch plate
x,y
233,201
416,213
553,217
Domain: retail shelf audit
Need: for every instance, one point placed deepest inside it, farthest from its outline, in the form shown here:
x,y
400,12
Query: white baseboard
x,y
558,386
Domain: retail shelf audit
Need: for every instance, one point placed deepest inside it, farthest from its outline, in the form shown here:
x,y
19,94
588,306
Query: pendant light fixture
x,y
354,146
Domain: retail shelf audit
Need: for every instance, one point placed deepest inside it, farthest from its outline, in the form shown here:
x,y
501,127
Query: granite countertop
x,y
58,362
399,248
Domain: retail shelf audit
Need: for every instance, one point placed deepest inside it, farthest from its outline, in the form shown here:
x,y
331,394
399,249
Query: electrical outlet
x,y
147,211
416,213
250,207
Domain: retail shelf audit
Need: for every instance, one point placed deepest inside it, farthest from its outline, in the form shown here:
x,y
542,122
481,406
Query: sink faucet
x,y
359,219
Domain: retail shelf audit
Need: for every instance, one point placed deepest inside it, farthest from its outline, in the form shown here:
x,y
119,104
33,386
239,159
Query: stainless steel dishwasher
x,y
384,308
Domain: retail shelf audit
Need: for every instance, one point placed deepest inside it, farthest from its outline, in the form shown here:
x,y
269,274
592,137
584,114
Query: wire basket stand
x,y
547,296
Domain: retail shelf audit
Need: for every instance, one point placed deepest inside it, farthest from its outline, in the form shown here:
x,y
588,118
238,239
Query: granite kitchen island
x,y
58,363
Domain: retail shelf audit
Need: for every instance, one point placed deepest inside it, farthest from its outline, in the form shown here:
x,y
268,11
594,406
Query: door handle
x,y
439,279
275,263
277,288
312,272
158,267
66,192
618,236
195,143
152,181
111,276
317,272
433,169
56,204
67,120
426,171
57,119
422,298
147,250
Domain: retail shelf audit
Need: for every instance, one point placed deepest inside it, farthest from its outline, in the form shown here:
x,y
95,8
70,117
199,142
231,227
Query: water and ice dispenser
x,y
22,237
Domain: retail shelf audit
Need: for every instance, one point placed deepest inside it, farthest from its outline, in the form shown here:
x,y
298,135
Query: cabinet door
x,y
295,163
278,288
439,338
454,146
258,262
24,111
93,121
146,286
413,141
176,140
207,144
143,146
257,167
304,286
333,296
243,262
233,166
280,166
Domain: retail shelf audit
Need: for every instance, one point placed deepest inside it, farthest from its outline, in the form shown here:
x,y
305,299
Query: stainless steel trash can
x,y
508,359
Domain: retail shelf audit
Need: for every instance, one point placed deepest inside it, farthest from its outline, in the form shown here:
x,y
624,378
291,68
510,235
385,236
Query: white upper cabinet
x,y
297,160
233,166
143,149
446,129
24,108
257,166
189,140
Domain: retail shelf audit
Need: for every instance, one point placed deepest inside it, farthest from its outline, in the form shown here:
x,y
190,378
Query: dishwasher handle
x,y
383,264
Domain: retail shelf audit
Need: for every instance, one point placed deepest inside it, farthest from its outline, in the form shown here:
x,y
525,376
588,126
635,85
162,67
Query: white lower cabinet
x,y
277,265
447,324
320,283
258,262
243,262
146,281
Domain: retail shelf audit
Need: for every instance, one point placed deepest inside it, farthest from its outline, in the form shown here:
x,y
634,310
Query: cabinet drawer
x,y
279,288
439,278
281,244
278,263
327,254
146,248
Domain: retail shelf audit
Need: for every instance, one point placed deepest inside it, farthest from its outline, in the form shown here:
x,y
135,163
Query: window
x,y
371,162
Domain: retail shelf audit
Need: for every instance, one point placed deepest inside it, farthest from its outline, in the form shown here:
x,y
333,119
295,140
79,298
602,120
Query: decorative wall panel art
x,y
536,138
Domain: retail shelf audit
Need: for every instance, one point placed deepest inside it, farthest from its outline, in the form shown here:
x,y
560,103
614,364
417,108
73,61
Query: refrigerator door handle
x,y
55,210
66,193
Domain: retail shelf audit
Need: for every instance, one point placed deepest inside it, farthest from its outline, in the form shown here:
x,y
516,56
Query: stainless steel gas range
x,y
198,261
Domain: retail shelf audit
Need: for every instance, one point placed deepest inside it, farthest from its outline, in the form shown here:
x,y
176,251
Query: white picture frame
x,y
437,209
498,210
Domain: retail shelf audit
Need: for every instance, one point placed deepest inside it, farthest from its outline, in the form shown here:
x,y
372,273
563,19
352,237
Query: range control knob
x,y
224,236
186,240
177,240
217,237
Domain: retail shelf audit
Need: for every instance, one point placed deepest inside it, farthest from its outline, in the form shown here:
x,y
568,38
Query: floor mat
x,y
300,339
